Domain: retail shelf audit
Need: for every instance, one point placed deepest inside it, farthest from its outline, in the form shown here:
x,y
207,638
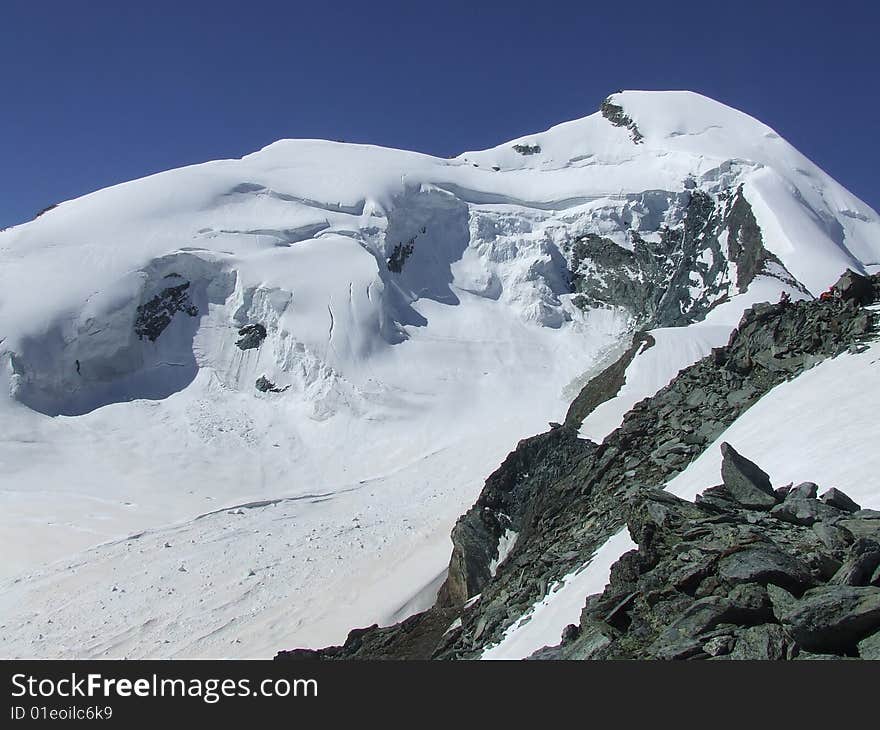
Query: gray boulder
x,y
765,563
804,490
781,600
804,512
745,604
719,645
834,619
745,481
782,492
836,498
855,287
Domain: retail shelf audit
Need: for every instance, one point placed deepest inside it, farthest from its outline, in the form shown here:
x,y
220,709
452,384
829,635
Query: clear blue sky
x,y
95,93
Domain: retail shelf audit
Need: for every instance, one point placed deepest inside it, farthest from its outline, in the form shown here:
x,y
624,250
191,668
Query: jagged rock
x,y
155,315
804,511
605,385
861,528
834,618
251,336
763,564
590,641
614,113
822,565
855,287
781,600
741,396
804,490
745,481
860,565
836,498
681,277
476,533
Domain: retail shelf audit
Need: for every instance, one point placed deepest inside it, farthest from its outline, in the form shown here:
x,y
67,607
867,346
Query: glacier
x,y
419,319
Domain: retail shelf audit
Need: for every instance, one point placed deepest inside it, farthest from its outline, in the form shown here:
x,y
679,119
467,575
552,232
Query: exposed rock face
x,y
264,385
156,314
526,473
715,251
565,496
251,336
615,114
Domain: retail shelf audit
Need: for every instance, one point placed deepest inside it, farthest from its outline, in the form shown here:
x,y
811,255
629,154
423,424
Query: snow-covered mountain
x,y
244,402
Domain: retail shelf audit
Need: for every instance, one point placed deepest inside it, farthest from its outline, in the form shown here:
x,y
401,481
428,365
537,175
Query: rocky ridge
x,y
711,249
562,497
745,572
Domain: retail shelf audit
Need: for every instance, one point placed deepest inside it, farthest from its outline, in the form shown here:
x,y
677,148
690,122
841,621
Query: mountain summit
x,y
245,401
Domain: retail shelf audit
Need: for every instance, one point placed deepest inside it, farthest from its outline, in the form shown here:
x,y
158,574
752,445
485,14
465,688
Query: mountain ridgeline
x,y
332,345
746,572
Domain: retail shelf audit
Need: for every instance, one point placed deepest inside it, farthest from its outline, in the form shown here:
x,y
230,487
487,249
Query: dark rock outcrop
x,y
614,113
251,336
156,314
264,385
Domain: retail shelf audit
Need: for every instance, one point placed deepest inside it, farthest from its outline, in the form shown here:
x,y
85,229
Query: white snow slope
x,y
153,503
